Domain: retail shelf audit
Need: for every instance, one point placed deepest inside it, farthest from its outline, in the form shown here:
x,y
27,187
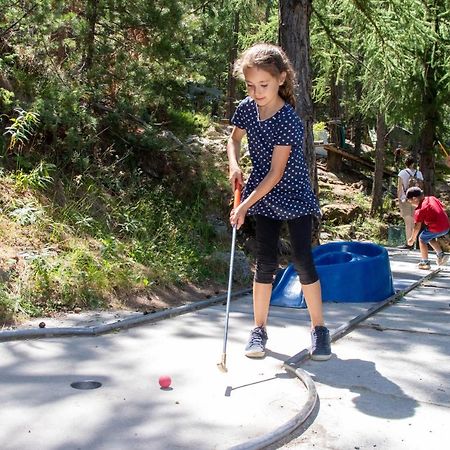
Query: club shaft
x,y
230,283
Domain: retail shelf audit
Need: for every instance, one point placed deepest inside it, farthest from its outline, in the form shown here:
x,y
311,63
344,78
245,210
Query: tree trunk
x,y
334,160
294,39
358,121
91,17
231,88
430,103
428,132
427,157
377,187
294,19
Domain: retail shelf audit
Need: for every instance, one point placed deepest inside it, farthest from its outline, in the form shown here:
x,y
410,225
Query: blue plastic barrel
x,y
349,272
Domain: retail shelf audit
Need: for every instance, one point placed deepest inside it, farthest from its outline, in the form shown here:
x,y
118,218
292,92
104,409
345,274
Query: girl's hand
x,y
237,216
236,177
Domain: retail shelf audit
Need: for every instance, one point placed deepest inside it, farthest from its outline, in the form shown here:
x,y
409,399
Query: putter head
x,y
223,365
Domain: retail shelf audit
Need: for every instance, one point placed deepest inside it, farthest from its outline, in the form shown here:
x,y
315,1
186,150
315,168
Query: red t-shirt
x,y
432,213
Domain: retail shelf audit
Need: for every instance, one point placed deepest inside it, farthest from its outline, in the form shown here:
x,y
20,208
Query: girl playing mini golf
x,y
278,188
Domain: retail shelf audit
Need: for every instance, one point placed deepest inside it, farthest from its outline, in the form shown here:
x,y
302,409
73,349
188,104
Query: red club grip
x,y
237,195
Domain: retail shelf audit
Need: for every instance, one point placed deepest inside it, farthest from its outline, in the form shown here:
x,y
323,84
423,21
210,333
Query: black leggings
x,y
267,236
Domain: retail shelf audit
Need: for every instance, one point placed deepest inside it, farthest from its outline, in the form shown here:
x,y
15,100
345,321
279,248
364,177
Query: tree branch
x,y
361,6
26,13
333,39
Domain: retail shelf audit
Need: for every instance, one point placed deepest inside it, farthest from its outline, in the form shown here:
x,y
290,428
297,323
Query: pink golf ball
x,y
165,381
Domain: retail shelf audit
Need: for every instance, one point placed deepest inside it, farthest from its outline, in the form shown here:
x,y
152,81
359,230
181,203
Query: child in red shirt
x,y
430,212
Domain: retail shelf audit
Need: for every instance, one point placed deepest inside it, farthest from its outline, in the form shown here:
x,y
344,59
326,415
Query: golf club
x,y
223,364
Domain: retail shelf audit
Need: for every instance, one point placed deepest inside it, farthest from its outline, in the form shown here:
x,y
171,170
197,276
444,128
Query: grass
x,y
183,122
79,242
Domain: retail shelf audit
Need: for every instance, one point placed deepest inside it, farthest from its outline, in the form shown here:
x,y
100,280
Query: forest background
x,y
107,192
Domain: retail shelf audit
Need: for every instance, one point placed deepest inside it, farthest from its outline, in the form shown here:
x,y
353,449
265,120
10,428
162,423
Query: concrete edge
x,y
129,322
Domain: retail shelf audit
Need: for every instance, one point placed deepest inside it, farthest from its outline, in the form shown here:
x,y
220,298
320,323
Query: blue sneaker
x,y
256,347
320,344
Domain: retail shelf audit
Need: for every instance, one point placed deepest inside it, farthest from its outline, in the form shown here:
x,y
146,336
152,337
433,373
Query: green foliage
x,y
76,278
137,243
168,235
69,125
7,304
371,229
385,47
318,129
6,99
261,31
22,127
26,214
79,66
184,123
39,178
361,200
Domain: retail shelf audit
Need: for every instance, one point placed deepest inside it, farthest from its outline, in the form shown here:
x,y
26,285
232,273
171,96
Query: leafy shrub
x,y
26,214
39,178
183,122
7,304
22,127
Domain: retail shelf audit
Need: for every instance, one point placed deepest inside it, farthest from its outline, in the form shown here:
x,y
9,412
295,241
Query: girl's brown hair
x,y
272,59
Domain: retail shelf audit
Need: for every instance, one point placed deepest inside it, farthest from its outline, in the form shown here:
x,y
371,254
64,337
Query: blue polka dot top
x,y
293,196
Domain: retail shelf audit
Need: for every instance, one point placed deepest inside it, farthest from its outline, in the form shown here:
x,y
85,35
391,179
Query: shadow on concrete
x,y
276,355
37,383
376,395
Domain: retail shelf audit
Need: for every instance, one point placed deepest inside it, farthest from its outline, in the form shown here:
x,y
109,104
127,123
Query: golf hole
x,y
86,384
